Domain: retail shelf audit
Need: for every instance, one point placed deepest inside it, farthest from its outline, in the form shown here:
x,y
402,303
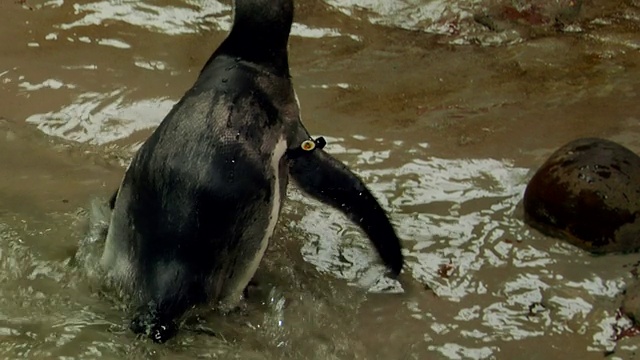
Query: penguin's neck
x,y
260,33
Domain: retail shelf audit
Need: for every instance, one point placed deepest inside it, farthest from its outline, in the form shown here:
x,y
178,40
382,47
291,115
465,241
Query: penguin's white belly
x,y
241,278
116,261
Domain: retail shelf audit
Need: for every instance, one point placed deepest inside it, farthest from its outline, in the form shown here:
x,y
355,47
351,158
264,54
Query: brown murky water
x,y
443,116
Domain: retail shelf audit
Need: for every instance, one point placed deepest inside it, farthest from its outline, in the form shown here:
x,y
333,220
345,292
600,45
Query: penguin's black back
x,y
201,197
205,172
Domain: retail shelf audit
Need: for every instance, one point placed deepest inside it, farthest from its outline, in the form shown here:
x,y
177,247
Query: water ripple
x,y
191,17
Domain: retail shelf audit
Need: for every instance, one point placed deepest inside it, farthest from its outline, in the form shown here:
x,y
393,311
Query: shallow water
x,y
443,107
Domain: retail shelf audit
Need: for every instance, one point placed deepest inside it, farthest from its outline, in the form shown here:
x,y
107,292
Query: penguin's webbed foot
x,y
149,322
253,284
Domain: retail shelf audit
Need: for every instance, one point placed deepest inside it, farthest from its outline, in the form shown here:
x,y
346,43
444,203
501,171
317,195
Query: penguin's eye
x,y
308,145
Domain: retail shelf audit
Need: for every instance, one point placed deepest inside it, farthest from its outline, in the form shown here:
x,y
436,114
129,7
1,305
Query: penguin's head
x,y
260,32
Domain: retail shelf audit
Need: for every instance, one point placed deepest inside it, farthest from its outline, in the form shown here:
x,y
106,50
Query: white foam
x,y
114,43
47,84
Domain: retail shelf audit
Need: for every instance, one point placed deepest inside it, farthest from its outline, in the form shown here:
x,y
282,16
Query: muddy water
x,y
443,107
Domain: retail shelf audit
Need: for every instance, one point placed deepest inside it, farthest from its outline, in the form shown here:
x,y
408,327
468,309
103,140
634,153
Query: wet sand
x,y
445,134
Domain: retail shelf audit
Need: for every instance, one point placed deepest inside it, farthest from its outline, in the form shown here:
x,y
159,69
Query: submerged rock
x,y
588,193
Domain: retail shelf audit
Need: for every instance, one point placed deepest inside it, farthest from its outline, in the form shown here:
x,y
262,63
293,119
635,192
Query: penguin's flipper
x,y
330,181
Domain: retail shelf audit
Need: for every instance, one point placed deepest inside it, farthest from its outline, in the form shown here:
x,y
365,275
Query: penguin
x,y
201,197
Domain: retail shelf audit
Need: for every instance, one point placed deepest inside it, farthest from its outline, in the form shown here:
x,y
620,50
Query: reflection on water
x,y
438,17
192,16
508,283
461,214
171,20
102,118
478,284
464,202
505,283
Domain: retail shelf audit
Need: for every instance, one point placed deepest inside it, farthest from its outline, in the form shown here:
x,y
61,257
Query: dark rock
x,y
588,193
